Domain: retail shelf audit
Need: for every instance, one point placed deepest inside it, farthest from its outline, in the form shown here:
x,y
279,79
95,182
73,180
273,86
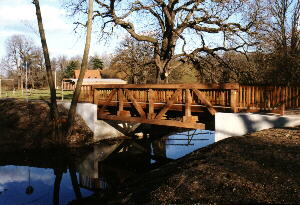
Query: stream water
x,y
50,179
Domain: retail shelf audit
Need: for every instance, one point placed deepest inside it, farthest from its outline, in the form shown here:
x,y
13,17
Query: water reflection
x,y
58,178
183,143
90,173
112,165
46,187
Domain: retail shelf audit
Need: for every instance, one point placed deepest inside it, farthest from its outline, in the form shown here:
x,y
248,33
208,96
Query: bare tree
x,y
180,30
53,103
280,40
19,50
84,64
135,60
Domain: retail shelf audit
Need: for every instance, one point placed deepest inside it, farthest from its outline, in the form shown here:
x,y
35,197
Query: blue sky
x,y
18,17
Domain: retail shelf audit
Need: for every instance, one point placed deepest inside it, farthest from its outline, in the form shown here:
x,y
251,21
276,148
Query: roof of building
x,y
94,81
89,74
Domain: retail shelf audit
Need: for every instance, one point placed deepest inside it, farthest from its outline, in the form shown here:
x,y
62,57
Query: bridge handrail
x,y
249,98
212,86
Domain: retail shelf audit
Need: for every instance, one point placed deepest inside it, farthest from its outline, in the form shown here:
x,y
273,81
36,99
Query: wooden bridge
x,y
185,105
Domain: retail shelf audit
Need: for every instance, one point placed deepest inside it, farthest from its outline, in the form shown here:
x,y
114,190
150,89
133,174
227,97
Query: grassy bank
x,y
36,94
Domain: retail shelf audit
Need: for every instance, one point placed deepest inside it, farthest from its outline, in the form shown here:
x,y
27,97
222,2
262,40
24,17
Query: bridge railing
x,y
161,94
218,95
87,94
225,96
268,97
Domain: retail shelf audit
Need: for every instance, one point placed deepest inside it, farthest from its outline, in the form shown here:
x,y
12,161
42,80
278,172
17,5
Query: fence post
x,y
92,93
95,95
233,100
62,90
121,101
282,106
151,114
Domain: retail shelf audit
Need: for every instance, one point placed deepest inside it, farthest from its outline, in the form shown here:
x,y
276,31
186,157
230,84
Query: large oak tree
x,y
180,30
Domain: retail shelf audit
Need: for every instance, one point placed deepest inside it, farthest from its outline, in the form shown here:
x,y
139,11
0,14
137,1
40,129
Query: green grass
x,y
34,94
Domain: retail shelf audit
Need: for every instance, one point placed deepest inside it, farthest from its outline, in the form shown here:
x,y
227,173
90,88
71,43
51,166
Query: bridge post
x,y
282,106
121,99
96,96
187,110
233,100
121,102
151,114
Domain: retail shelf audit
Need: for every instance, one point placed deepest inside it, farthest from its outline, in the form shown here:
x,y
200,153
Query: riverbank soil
x,y
27,125
263,167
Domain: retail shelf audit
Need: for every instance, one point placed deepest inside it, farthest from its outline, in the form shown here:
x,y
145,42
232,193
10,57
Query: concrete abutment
x,y
226,124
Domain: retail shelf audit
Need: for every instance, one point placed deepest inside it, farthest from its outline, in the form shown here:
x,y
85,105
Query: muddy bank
x,y
27,125
263,167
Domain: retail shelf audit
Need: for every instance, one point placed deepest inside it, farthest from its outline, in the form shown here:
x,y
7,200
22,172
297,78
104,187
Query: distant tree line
x,y
24,57
256,42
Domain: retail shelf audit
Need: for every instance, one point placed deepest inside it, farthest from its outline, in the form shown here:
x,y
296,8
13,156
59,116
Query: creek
x,y
54,177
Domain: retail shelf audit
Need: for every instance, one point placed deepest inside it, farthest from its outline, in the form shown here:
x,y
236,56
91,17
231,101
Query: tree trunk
x,y
74,181
53,105
161,77
32,84
21,83
72,111
58,176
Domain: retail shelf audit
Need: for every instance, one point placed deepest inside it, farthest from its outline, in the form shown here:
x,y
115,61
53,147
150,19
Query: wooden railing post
x,y
121,99
187,107
93,94
151,114
95,98
282,106
233,100
188,102
188,110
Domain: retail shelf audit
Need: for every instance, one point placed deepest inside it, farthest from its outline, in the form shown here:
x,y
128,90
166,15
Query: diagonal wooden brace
x,y
108,100
168,105
206,102
135,104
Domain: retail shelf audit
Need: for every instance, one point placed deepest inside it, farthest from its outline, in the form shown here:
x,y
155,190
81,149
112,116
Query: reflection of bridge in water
x,y
111,165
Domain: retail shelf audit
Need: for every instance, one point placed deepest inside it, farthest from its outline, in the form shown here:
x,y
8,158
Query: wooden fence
x,y
230,96
68,85
267,97
87,94
152,101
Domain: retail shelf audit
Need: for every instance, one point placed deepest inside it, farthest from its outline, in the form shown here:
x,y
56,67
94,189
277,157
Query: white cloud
x,y
10,174
9,14
54,19
16,15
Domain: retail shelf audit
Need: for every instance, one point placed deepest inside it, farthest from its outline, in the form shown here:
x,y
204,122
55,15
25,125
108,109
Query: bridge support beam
x,y
155,122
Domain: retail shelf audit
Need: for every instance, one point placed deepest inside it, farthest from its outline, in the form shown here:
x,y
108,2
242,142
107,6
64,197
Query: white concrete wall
x,y
105,131
238,124
100,128
87,111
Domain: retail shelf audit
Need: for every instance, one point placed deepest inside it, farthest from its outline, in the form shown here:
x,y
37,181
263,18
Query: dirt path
x,y
263,167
